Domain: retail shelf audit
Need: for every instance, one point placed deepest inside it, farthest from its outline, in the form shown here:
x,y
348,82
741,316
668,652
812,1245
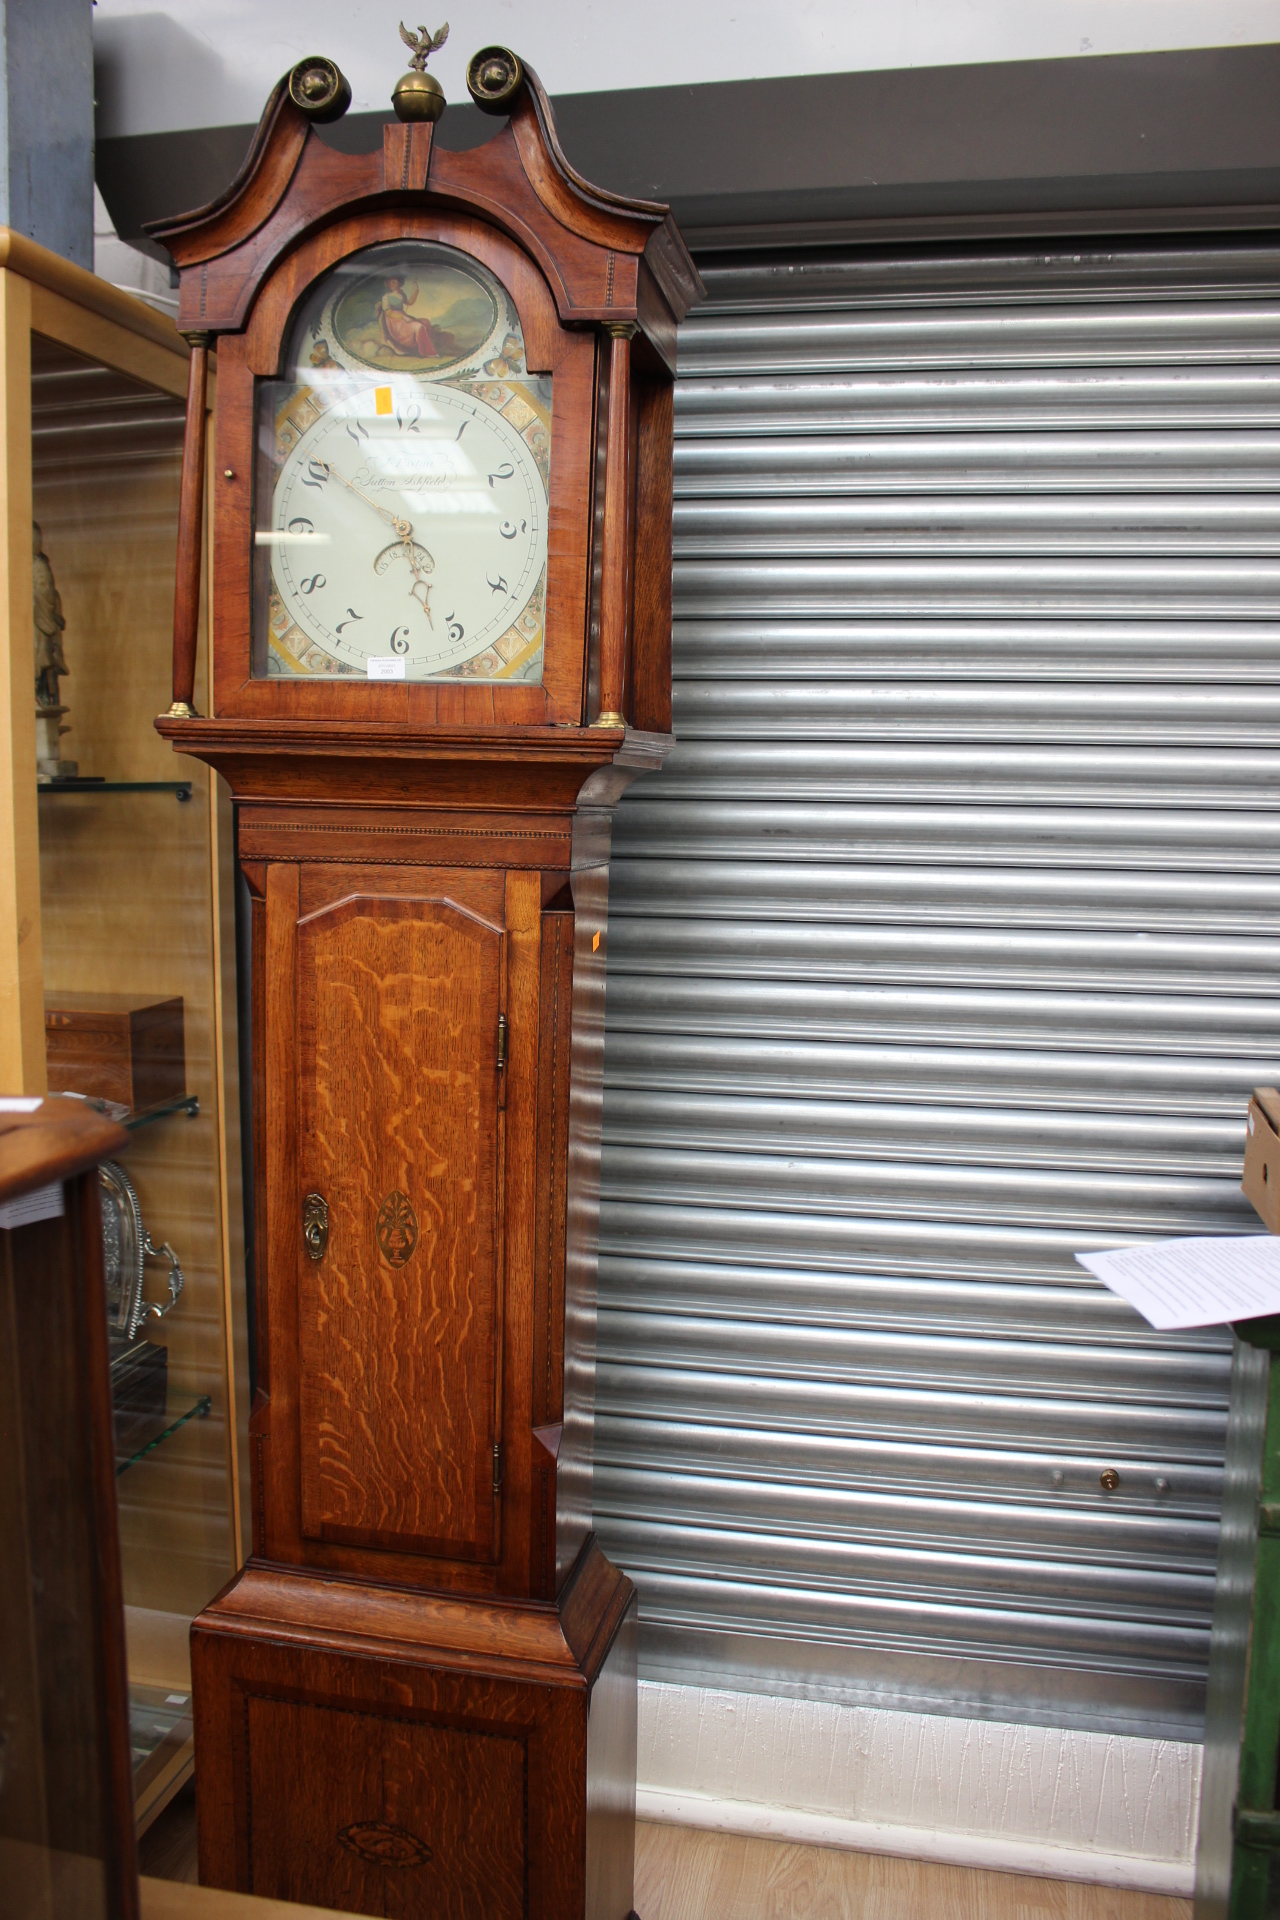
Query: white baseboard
x,y
1048,1801
915,1843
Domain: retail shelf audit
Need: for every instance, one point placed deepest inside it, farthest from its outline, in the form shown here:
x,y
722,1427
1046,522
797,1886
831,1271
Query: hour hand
x,y
419,581
425,601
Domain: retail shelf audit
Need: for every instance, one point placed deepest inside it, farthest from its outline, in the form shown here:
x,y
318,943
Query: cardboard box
x,y
117,1046
1261,1181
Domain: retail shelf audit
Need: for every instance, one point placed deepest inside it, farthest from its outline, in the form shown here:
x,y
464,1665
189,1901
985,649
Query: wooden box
x,y
116,1046
1261,1182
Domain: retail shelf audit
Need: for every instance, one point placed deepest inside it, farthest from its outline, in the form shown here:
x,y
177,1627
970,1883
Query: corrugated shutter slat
x,y
944,945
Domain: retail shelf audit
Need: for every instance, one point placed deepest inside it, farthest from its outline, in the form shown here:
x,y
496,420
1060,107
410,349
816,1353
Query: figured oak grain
x,y
273,1424
376,1814
399,1130
527,1642
377,1661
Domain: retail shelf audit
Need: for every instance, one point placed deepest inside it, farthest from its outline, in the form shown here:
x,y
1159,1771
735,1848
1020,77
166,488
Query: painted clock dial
x,y
403,471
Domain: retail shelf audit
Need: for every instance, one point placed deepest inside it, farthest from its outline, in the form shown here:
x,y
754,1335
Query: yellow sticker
x,y
382,399
595,943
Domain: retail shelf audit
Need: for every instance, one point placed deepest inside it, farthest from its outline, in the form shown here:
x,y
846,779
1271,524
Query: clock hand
x,y
404,528
404,531
419,580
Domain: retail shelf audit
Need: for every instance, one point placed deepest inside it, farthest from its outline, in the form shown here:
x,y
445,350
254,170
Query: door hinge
x,y
497,1465
502,1041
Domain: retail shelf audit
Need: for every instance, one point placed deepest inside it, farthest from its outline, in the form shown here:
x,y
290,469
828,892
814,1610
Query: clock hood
x,y
607,258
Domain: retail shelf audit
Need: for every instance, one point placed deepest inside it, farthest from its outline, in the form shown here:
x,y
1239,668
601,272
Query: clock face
x,y
401,523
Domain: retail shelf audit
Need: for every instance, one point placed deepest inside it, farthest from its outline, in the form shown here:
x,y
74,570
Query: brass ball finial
x,y
418,95
494,78
319,89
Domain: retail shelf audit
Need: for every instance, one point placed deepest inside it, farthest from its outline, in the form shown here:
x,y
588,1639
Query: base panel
x,y
384,1752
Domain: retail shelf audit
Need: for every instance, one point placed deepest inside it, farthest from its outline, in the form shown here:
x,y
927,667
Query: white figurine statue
x,y
51,663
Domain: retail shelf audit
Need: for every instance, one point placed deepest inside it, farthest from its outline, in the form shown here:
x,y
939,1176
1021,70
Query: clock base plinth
x,y
377,1750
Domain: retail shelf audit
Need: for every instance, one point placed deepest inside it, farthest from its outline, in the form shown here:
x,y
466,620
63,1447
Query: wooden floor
x,y
685,1875
167,1850
682,1874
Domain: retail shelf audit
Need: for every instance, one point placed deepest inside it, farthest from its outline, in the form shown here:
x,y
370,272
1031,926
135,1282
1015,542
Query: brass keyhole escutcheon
x,y
315,1225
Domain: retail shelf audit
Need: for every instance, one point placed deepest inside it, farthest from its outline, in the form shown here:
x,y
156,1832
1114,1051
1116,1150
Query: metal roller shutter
x,y
945,945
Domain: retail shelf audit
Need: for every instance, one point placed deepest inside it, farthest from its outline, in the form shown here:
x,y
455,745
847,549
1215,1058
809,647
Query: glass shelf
x,y
197,1412
182,788
161,1736
155,1715
188,1103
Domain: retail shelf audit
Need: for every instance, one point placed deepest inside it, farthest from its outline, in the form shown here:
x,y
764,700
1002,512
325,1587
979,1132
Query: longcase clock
x,y
441,563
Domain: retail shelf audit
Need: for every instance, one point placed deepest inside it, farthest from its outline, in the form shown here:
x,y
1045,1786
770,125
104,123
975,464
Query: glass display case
x,y
66,1848
122,964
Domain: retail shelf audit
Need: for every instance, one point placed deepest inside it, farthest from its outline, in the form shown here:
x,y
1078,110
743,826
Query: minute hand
x,y
403,528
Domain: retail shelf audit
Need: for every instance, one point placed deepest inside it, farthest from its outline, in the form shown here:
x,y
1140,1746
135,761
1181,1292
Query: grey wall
x,y
169,65
1130,139
46,142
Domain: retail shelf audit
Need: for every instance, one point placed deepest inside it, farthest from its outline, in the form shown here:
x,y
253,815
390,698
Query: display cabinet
x,y
117,933
66,1844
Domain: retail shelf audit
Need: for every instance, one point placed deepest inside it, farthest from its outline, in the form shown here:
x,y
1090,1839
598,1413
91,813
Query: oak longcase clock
x,y
441,562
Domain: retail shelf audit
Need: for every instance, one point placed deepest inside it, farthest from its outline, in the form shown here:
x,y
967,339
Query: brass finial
x,y
494,78
418,95
319,89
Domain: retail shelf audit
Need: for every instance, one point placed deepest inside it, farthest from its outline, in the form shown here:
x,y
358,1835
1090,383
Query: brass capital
x,y
621,329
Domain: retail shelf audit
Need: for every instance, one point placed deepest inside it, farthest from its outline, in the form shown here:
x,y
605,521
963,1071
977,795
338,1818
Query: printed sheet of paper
x,y
46,1203
1194,1283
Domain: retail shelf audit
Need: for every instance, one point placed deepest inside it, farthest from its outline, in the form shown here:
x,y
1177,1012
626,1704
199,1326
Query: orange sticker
x,y
382,399
595,943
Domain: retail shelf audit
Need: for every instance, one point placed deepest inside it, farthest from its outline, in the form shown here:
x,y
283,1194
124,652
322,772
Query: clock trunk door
x,y
400,1145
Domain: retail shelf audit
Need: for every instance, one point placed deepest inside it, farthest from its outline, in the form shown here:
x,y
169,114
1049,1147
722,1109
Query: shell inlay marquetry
x,y
396,1228
382,1845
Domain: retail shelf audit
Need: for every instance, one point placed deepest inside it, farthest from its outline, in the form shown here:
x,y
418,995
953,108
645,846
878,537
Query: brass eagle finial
x,y
423,43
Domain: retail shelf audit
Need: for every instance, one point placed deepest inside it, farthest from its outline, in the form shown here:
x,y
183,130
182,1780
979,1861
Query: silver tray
x,y
126,1247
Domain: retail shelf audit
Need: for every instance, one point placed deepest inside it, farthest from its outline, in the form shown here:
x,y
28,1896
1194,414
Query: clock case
x,y
421,1690
600,284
